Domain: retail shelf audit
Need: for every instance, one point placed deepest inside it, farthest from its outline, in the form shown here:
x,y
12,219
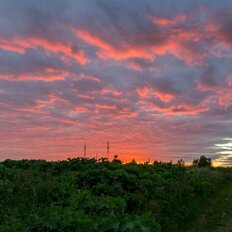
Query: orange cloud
x,y
104,106
134,66
19,45
186,110
81,110
45,75
143,92
224,97
146,92
114,92
160,21
181,109
108,51
165,97
158,42
229,81
223,94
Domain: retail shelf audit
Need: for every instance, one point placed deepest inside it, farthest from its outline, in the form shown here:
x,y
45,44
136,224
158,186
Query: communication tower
x,y
85,151
108,149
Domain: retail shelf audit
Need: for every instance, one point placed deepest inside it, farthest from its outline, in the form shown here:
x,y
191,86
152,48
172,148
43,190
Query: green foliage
x,y
90,195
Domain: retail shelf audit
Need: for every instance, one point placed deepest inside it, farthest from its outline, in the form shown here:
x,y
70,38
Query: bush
x,y
86,195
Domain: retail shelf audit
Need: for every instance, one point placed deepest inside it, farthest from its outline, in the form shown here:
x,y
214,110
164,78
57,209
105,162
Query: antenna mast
x,y
85,150
108,149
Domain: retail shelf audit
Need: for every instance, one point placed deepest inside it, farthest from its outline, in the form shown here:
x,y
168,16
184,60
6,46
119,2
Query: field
x,y
88,195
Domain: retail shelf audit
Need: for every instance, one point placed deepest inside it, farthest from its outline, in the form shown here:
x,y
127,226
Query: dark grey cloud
x,y
147,72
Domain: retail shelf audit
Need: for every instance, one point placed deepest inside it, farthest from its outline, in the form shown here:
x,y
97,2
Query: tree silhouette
x,y
181,163
202,162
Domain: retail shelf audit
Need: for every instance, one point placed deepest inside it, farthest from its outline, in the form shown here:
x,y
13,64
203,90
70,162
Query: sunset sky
x,y
153,77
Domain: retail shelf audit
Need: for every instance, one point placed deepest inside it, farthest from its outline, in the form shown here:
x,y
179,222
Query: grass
x,y
217,213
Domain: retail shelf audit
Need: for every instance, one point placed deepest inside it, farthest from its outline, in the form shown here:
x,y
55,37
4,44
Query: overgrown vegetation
x,y
86,195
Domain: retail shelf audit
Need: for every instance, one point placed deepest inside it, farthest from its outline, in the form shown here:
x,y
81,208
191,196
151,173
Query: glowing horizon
x,y
153,78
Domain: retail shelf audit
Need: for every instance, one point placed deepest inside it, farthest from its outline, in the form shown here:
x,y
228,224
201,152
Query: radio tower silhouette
x,y
85,150
108,149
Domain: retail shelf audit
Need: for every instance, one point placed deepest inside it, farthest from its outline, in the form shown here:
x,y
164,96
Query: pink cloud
x,y
222,94
108,51
143,92
161,21
157,42
46,75
19,44
147,92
